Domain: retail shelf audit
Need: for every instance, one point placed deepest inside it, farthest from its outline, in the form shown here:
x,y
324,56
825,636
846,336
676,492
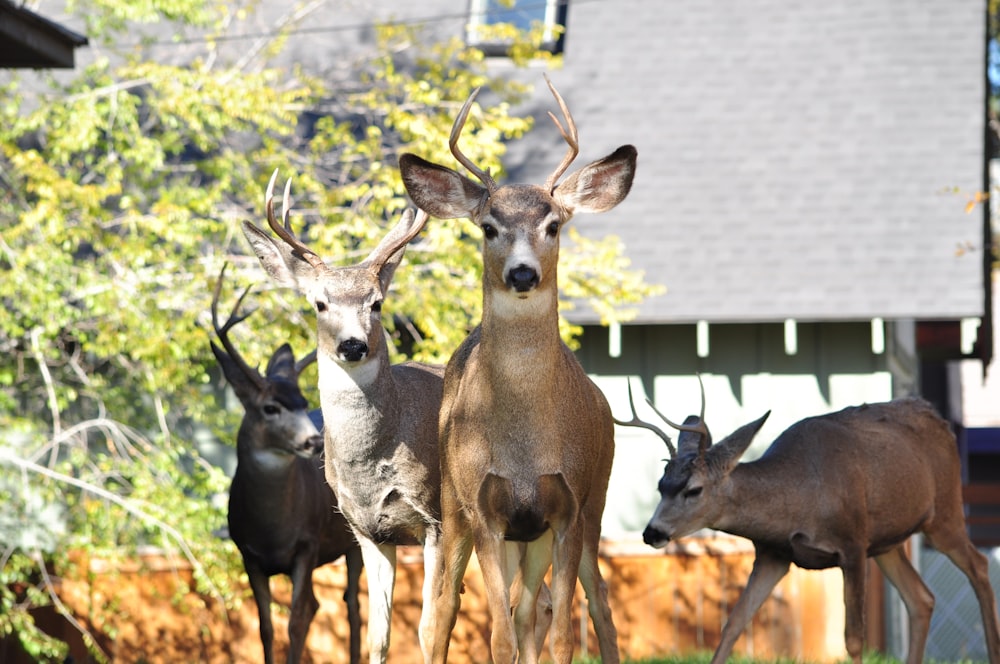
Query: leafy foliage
x,y
121,193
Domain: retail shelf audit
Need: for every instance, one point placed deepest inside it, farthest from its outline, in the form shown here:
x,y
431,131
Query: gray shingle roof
x,y
796,159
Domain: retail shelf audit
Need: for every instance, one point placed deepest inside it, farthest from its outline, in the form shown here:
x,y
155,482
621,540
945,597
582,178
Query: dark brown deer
x,y
282,515
831,491
381,419
527,439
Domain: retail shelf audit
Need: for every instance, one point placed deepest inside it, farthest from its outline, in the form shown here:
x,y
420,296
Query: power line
x,y
303,30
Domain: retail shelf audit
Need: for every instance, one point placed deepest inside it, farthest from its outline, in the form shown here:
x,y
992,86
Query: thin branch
x,y
63,610
6,456
50,389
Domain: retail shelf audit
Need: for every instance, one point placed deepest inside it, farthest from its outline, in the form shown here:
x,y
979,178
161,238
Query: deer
x,y
380,438
831,491
282,516
526,438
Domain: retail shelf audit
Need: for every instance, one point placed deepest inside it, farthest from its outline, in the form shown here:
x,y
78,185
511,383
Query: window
x,y
522,14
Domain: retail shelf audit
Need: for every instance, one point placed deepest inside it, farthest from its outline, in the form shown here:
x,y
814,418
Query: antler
x,y
305,361
284,230
223,331
570,134
396,238
456,130
636,422
700,428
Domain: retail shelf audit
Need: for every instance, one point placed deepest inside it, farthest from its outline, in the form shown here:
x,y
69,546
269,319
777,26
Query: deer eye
x,y
490,231
320,306
692,492
271,409
376,306
552,229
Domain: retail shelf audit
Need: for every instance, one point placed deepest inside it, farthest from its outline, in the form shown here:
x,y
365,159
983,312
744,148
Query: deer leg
x,y
527,598
596,591
855,569
380,566
767,570
261,587
354,565
453,558
304,606
491,552
565,569
975,566
431,589
916,596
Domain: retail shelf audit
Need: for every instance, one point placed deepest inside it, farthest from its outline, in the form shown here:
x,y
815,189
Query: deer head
x,y
520,222
347,300
276,416
696,472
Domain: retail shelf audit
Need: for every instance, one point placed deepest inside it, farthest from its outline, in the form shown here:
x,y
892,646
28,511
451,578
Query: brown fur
x,y
832,491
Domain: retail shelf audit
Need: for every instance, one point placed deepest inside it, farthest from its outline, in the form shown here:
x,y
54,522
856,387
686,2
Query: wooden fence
x,y
663,602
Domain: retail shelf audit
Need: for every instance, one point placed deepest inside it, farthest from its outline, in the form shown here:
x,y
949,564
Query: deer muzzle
x,y
522,278
352,350
655,537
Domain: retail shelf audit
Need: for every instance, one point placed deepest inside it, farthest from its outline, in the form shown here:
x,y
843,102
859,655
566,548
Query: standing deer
x,y
381,420
527,439
831,491
282,515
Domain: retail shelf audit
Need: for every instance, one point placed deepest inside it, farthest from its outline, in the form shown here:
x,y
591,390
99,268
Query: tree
x,y
121,192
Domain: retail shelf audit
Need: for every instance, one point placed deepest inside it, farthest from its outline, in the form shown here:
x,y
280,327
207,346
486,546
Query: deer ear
x,y
727,452
282,365
440,191
279,260
601,185
243,385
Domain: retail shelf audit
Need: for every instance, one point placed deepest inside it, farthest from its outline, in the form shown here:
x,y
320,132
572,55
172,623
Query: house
x,y
31,41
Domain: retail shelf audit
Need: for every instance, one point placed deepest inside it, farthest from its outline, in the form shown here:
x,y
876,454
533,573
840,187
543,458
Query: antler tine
x,y
390,245
636,422
456,130
234,318
701,428
284,230
305,361
569,134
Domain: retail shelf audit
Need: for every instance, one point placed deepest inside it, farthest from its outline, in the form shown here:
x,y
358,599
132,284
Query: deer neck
x,y
746,518
520,337
360,406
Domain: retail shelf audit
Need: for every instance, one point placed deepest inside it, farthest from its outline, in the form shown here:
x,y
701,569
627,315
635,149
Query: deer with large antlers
x,y
381,421
830,491
527,439
282,515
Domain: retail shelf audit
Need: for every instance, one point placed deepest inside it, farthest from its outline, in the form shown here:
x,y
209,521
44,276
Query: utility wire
x,y
303,30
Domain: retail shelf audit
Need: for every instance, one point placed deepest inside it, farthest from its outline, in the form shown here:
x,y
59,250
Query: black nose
x,y
352,350
653,536
522,278
313,444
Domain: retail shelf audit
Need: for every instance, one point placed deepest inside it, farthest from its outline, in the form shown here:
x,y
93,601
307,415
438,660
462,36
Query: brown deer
x,y
282,515
831,491
381,420
527,439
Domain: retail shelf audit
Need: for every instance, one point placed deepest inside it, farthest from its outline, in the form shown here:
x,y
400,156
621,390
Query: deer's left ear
x,y
599,186
282,364
727,452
